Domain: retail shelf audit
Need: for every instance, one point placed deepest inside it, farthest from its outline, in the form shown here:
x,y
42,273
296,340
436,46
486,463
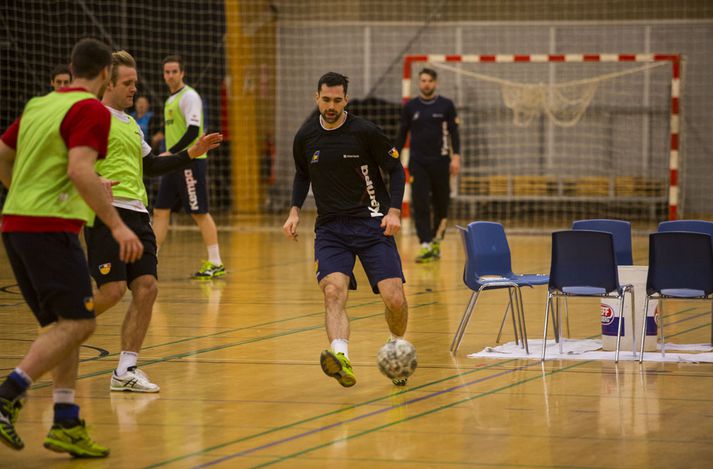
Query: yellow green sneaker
x,y
74,440
425,255
338,367
9,410
209,271
436,248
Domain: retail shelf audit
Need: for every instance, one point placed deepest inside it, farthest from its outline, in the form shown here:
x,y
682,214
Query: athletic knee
x,y
79,329
333,292
145,287
395,300
111,293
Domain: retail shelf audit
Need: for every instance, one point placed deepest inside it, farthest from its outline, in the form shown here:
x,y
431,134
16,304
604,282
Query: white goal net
x,y
550,139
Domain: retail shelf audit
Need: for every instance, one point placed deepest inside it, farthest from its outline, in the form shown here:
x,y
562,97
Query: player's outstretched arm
x,y
167,162
204,144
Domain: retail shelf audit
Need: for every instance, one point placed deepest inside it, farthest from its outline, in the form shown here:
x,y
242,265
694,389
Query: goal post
x,y
549,138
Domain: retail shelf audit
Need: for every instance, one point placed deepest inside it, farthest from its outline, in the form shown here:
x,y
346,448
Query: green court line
x,y
422,414
328,414
221,347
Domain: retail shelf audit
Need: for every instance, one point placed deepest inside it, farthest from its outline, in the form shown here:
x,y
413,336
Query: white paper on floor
x,y
589,349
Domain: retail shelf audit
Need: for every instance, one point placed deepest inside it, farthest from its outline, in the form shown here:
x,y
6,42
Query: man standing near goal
x,y
433,123
128,158
47,161
341,155
183,118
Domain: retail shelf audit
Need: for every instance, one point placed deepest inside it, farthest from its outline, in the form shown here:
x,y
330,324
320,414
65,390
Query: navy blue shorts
x,y
339,242
52,273
103,250
185,188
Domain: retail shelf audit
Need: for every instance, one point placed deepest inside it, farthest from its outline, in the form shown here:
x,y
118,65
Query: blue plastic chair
x,y
488,266
583,264
620,230
694,226
680,267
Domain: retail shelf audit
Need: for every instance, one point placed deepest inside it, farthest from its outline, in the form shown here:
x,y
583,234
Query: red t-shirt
x,y
86,124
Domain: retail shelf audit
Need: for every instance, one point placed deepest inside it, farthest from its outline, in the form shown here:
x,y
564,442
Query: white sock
x,y
341,346
426,245
214,254
126,361
393,337
63,396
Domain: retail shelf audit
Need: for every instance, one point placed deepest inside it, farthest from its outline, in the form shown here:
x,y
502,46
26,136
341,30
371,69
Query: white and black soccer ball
x,y
397,359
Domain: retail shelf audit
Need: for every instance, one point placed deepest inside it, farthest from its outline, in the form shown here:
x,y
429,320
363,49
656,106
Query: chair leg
x,y
663,338
464,322
502,324
643,329
566,316
618,329
521,307
555,326
515,311
547,319
711,323
559,326
633,323
512,314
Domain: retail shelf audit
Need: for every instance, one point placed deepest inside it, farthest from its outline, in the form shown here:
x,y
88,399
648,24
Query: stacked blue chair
x,y
680,267
694,226
488,266
620,230
583,264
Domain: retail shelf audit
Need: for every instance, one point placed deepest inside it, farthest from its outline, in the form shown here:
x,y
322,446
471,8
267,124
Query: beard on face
x,y
428,92
330,119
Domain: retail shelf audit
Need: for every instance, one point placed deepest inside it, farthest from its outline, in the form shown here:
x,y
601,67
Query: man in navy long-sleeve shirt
x,y
435,155
342,156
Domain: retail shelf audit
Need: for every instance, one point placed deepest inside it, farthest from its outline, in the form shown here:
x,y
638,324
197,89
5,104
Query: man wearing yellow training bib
x,y
187,188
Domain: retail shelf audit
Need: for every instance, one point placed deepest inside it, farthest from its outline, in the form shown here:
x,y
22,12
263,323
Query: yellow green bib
x,y
175,121
124,160
40,185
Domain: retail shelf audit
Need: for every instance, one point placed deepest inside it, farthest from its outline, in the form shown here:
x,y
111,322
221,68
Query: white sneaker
x,y
133,380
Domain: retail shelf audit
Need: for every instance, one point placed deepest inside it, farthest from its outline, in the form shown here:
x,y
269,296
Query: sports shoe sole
x,y
332,367
11,444
60,448
123,389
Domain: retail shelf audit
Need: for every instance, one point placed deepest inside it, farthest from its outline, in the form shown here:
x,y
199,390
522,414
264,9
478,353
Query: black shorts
x,y
52,273
339,242
103,250
185,188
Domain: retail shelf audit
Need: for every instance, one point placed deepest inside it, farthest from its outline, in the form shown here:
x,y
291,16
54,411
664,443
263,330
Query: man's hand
x,y
130,247
290,226
204,144
455,164
108,184
391,222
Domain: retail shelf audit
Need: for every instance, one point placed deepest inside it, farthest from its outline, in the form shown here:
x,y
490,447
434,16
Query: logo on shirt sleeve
x,y
104,269
394,153
315,157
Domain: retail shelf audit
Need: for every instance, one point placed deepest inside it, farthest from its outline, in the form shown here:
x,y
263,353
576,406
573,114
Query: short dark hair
x,y
89,58
174,58
333,79
61,69
429,71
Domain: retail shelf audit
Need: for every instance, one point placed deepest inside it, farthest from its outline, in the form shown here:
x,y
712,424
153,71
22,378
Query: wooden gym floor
x,y
237,362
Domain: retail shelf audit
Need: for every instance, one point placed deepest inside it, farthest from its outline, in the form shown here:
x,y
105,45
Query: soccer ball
x,y
397,359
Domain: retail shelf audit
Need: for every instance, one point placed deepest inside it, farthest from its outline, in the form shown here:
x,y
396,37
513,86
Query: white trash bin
x,y
636,276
